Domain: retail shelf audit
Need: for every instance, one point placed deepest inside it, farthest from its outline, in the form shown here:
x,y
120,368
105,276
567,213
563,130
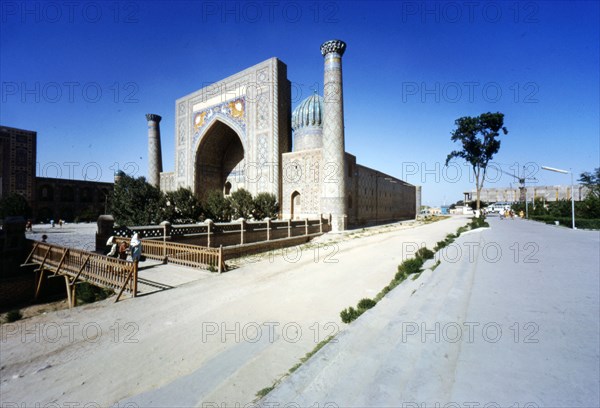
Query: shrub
x,y
567,221
366,304
440,245
13,316
241,204
216,207
265,205
478,222
425,253
88,293
400,276
461,230
350,314
409,266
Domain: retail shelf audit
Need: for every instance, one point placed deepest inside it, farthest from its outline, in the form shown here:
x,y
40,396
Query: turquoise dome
x,y
309,113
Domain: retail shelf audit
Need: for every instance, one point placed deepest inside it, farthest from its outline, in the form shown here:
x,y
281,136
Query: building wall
x,y
70,200
261,121
301,175
382,198
372,195
17,169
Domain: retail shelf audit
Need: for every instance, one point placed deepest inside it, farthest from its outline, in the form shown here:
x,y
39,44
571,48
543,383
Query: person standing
x,y
136,248
123,250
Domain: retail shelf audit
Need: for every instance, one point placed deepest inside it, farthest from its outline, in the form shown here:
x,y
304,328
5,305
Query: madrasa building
x,y
241,132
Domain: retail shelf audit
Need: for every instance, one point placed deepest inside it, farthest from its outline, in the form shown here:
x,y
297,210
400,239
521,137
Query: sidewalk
x,y
509,317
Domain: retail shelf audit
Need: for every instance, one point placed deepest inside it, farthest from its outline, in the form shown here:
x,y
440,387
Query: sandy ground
x,y
217,339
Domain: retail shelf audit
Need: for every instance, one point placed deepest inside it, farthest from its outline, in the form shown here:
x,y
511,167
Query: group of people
x,y
60,223
508,214
122,249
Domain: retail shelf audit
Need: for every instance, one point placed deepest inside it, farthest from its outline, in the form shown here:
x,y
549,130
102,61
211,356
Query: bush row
x,y
409,267
567,221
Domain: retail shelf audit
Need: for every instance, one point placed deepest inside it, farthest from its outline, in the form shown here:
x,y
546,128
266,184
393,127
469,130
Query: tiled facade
x,y
237,133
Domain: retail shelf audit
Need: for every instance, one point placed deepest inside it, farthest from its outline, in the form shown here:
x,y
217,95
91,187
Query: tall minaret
x,y
333,187
154,151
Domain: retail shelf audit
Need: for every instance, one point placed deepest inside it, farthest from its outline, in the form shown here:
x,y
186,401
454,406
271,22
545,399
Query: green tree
x,y
14,204
136,202
241,204
181,206
591,181
479,138
590,206
216,207
265,205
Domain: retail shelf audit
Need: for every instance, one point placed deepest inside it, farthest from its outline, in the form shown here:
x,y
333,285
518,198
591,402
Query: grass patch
x,y
436,265
262,393
13,316
311,353
88,293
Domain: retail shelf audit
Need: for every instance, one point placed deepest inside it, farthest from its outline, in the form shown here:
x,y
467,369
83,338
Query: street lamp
x,y
572,190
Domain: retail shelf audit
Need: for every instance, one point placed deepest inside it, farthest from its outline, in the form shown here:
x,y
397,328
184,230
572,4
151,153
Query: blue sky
x,y
83,75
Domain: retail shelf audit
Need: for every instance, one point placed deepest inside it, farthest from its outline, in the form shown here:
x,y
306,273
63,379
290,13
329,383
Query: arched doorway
x,y
219,160
296,206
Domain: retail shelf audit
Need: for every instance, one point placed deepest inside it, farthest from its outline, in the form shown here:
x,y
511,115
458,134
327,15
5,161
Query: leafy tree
x,y
216,207
479,138
14,204
181,206
265,205
241,204
591,181
473,204
136,202
590,206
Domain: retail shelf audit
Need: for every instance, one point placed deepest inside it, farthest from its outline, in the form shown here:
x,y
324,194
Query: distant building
x,y
49,198
17,169
546,193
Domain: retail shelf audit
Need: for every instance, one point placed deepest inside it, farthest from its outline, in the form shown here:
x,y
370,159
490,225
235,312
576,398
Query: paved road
x,y
510,318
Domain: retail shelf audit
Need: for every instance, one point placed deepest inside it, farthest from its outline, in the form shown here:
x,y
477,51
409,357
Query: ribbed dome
x,y
309,113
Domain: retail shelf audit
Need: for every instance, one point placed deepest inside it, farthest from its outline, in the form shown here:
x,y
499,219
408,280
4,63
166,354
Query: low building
x,y
49,198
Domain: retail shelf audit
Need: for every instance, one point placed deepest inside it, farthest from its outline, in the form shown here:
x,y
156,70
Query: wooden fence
x,y
183,254
79,265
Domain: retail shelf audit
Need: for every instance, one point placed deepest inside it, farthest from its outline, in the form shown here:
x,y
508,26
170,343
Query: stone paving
x,y
80,236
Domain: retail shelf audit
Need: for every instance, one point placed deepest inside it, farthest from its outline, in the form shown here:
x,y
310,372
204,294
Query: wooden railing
x,y
77,264
183,254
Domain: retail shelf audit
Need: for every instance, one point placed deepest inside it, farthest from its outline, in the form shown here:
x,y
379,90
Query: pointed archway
x,y
296,206
219,160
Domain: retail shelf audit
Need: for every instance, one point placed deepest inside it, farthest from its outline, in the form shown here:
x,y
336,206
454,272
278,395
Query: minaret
x,y
154,151
333,186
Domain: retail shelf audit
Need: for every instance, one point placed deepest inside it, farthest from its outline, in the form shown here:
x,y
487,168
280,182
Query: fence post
x,y
135,278
320,224
220,258
306,226
268,228
242,225
209,223
289,228
166,231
